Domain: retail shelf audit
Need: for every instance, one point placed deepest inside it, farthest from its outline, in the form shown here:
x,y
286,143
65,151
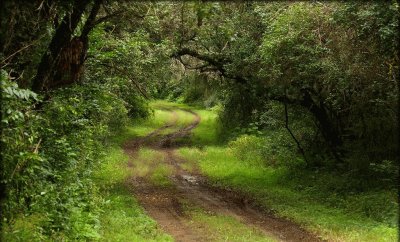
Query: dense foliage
x,y
335,64
306,85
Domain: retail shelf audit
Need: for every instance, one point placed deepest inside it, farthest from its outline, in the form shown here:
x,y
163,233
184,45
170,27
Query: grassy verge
x,y
311,199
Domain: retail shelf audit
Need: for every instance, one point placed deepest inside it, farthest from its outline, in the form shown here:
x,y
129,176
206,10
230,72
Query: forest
x,y
199,120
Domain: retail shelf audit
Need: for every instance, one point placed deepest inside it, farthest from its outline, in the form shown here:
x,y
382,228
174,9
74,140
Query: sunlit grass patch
x,y
206,132
223,228
143,127
184,118
161,117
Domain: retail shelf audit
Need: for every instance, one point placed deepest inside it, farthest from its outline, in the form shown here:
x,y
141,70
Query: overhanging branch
x,y
217,62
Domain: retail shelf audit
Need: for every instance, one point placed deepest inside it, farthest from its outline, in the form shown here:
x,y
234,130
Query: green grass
x,y
305,197
183,118
144,161
160,174
206,132
188,165
123,219
25,228
150,164
143,127
223,228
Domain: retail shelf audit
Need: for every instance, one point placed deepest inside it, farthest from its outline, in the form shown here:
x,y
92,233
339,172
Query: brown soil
x,y
165,204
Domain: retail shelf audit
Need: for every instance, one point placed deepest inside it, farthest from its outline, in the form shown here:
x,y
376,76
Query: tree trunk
x,y
327,128
69,67
46,72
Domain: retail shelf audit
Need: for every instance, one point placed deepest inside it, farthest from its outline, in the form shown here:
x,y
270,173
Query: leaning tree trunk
x,y
54,58
69,67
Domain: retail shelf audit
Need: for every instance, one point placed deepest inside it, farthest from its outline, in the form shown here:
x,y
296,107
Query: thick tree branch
x,y
218,63
91,20
107,17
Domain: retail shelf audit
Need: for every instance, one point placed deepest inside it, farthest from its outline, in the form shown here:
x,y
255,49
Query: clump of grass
x,y
160,175
144,161
150,164
223,228
188,165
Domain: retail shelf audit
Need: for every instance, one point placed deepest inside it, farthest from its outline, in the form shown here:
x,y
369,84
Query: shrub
x,y
49,154
248,148
274,149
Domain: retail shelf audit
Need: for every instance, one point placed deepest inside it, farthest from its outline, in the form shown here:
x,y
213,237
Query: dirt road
x,y
168,205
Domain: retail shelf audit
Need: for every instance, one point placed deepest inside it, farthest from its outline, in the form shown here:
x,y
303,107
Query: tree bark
x,y
62,37
69,68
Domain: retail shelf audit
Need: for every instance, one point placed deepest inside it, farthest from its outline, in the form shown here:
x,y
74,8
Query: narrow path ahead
x,y
168,205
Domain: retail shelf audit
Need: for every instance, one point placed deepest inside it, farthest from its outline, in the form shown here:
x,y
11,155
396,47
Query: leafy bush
x,y
274,149
21,161
49,154
248,148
